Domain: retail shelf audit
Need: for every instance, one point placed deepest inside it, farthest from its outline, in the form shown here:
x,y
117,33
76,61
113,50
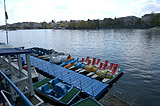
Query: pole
x,y
29,73
6,17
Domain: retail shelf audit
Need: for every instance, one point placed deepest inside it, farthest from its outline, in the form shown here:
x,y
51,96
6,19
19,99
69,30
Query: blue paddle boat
x,y
56,90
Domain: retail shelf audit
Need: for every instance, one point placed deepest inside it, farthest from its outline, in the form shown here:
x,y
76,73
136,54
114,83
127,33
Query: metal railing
x,y
22,96
5,97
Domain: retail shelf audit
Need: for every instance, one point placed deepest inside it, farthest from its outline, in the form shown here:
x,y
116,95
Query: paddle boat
x,y
49,55
41,53
55,90
94,68
105,72
58,58
68,62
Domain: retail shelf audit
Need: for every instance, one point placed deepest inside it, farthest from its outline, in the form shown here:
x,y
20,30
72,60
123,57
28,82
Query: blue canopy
x,y
6,50
11,51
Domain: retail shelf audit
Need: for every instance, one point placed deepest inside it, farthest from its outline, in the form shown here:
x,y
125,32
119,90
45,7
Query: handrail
x,y
23,97
5,98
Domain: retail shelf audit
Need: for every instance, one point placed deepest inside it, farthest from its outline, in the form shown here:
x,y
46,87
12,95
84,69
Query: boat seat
x,y
45,88
77,60
105,80
67,62
60,88
94,76
93,61
87,59
54,81
82,60
115,69
111,66
98,61
90,74
78,70
79,65
84,70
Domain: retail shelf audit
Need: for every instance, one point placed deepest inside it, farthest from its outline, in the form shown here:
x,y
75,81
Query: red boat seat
x,y
94,61
89,62
87,58
111,66
82,60
105,65
98,61
115,69
100,66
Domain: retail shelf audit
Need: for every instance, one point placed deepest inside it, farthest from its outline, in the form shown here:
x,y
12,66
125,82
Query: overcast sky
x,y
47,10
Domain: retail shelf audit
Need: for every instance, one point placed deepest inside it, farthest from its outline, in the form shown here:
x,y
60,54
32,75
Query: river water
x,y
136,50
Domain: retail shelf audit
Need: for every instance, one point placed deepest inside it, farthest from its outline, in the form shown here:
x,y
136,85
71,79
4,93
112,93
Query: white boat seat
x,y
82,71
105,80
78,70
71,67
89,74
94,76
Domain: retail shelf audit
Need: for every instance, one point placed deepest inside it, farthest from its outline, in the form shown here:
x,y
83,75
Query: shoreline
x,y
155,28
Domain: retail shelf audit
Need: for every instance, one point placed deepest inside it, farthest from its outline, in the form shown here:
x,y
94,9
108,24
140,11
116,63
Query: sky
x,y
48,10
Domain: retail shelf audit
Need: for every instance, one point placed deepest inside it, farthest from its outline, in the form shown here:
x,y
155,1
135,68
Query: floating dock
x,y
88,85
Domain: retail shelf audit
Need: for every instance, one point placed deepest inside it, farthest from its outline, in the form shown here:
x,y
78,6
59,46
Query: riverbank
x,y
146,21
134,27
